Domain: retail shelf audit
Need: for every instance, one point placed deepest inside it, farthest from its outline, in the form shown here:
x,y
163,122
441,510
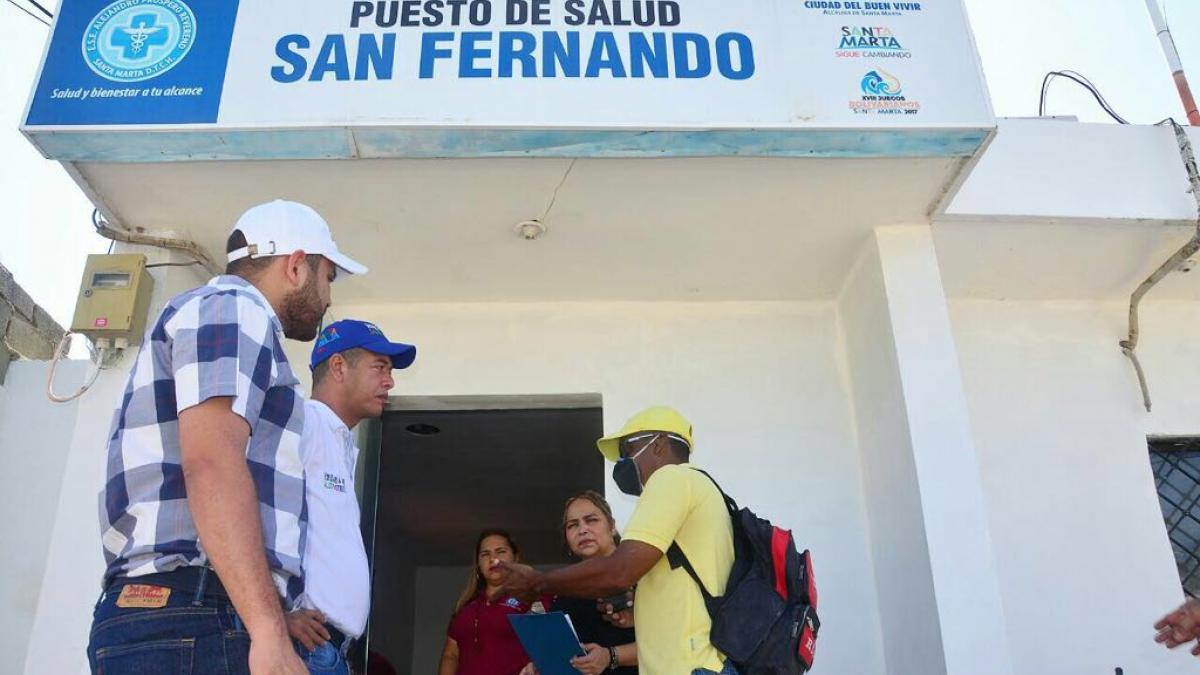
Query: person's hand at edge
x,y
275,657
307,626
594,662
520,581
1180,626
621,618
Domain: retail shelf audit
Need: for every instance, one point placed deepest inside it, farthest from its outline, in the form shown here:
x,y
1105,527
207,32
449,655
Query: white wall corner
x,y
961,556
912,640
935,567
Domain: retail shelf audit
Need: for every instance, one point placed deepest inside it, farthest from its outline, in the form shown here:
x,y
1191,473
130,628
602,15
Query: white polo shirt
x,y
337,579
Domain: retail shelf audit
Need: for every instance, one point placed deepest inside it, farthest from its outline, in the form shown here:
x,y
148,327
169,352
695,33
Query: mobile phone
x,y
619,602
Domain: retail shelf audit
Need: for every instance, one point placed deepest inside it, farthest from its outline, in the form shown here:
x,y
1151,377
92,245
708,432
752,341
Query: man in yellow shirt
x,y
676,504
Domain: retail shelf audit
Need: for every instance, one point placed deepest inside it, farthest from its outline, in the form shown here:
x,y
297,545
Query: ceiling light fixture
x,y
530,229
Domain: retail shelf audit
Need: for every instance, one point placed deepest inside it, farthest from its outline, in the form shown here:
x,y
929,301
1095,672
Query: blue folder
x,y
549,640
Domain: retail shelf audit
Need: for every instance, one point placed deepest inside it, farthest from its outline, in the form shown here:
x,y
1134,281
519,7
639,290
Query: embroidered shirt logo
x,y
335,483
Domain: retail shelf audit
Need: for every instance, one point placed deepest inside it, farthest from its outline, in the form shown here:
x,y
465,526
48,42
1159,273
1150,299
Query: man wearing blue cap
x,y
352,365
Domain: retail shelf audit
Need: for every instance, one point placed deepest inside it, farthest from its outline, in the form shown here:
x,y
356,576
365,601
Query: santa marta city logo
x,y
135,40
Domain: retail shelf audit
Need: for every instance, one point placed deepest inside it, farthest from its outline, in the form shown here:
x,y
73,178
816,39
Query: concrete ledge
x,y
148,145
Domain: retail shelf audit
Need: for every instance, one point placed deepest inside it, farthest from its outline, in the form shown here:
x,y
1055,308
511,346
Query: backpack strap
x,y
676,557
730,505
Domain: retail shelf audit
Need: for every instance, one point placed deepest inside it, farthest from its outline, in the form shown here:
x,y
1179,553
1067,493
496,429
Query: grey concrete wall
x,y
26,329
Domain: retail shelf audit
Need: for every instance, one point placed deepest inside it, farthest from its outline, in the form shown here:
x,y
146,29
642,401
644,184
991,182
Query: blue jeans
x,y
727,670
177,638
324,660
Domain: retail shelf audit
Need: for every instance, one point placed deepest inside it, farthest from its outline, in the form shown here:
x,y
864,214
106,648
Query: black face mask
x,y
626,474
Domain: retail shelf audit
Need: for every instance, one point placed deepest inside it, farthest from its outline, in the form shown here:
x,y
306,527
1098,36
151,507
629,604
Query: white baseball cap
x,y
281,227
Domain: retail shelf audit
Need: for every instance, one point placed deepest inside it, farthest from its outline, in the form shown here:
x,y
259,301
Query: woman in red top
x,y
480,640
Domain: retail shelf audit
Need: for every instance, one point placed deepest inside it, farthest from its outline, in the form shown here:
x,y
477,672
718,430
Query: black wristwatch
x,y
612,658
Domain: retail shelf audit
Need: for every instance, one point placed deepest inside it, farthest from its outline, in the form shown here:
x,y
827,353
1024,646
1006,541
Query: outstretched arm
x,y
589,579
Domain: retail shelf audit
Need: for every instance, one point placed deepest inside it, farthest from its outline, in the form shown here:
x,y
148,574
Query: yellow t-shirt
x,y
679,504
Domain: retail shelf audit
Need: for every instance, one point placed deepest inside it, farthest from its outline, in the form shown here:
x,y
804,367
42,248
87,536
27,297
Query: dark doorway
x,y
449,467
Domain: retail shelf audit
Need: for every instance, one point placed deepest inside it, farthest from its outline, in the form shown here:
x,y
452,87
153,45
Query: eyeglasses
x,y
630,443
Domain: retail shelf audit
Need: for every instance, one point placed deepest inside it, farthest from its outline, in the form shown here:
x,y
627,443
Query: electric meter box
x,y
114,298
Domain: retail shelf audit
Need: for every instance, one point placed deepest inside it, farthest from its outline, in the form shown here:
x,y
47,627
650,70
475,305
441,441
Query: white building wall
x,y
1062,169
74,564
934,562
912,638
33,450
1083,560
1171,358
761,382
783,394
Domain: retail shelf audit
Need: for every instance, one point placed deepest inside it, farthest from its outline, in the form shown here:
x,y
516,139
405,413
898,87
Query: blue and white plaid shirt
x,y
222,339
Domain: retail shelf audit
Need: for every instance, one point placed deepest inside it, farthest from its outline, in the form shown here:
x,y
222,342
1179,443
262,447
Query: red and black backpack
x,y
766,622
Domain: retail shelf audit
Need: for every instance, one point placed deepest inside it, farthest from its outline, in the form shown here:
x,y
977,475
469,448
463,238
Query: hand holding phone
x,y
615,603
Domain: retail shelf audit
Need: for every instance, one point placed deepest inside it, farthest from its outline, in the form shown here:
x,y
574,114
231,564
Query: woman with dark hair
x,y
590,531
480,640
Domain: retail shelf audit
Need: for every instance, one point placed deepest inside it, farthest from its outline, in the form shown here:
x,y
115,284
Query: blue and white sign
x,y
135,62
386,69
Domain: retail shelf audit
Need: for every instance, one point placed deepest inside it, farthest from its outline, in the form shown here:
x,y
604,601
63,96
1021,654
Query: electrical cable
x,y
190,248
60,353
35,17
174,264
554,196
96,225
1175,262
1082,81
48,13
1096,92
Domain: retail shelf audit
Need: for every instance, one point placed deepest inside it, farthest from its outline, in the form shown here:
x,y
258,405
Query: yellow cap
x,y
658,418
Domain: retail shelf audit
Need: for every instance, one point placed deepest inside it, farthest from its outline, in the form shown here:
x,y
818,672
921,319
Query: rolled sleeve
x,y
220,348
663,507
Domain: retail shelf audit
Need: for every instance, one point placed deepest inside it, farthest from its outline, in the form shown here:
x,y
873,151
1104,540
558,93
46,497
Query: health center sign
x,y
515,64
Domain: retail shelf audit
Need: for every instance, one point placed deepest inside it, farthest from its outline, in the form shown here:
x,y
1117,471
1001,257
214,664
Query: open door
x,y
437,470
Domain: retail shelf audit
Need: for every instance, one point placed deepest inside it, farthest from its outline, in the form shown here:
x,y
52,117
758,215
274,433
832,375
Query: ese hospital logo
x,y
135,40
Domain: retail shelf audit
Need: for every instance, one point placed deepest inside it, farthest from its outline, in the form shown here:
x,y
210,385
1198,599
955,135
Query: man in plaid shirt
x,y
203,514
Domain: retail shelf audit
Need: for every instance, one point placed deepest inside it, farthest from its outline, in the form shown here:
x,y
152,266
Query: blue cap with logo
x,y
349,334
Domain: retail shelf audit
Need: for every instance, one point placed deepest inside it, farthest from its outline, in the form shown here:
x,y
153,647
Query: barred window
x,y
1176,464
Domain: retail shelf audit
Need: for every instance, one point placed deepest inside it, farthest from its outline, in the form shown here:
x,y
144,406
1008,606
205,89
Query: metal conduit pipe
x,y
190,248
1129,344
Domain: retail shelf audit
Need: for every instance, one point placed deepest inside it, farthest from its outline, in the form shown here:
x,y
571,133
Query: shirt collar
x,y
331,418
232,281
